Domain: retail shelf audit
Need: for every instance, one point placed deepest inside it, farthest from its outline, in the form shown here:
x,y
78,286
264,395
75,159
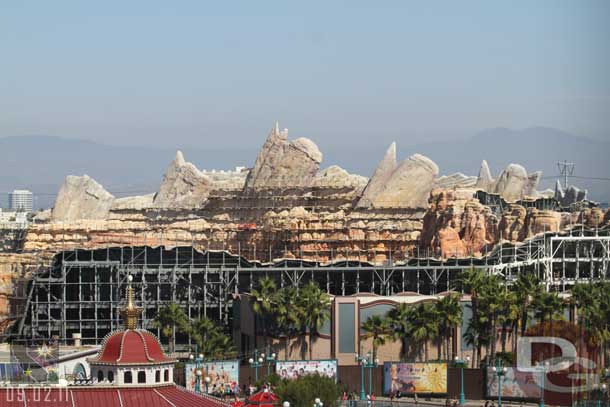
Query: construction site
x,y
205,237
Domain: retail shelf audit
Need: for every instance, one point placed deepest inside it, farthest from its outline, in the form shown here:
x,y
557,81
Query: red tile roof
x,y
131,347
161,396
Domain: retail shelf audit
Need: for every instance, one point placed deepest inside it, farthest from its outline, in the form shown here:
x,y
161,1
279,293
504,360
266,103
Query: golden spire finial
x,y
130,313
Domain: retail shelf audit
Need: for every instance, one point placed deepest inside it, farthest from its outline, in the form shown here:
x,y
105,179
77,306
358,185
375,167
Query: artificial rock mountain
x,y
285,206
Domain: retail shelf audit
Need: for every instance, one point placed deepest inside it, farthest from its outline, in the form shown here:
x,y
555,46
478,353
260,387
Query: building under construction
x,y
80,291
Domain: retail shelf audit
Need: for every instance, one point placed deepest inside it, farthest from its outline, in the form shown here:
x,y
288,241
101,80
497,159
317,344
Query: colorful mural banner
x,y
224,376
415,377
515,384
293,369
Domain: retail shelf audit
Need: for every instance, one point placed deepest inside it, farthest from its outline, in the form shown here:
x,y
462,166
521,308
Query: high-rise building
x,y
21,200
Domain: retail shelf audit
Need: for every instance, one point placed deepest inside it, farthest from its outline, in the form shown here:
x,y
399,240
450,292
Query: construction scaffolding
x,y
81,290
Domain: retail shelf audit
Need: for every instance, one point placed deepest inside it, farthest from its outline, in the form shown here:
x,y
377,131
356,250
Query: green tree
x,y
303,391
527,287
424,326
169,320
314,309
399,323
262,303
211,341
377,328
449,313
286,315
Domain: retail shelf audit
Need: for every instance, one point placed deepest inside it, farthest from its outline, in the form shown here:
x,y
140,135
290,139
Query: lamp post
x,y
500,372
602,391
207,383
256,362
366,362
269,358
362,360
286,404
461,363
317,402
198,365
543,367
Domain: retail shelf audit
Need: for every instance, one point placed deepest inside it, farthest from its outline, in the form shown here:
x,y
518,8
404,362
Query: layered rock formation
x,y
404,185
458,225
81,198
184,186
284,164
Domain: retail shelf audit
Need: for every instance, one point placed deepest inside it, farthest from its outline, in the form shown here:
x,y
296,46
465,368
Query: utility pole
x,y
566,169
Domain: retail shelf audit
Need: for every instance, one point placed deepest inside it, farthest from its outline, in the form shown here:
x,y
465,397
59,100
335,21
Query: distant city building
x,y
21,200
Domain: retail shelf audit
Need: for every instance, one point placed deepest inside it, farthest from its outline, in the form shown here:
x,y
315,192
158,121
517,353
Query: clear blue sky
x,y
220,73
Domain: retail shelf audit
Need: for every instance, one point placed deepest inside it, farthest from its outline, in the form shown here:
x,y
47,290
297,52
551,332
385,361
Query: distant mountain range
x,y
40,163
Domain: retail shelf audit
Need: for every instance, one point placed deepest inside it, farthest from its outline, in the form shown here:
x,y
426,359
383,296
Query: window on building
x,y
100,376
127,377
110,376
141,377
166,375
158,376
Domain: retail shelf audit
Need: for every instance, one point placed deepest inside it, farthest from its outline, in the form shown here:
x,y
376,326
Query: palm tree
x,y
490,300
547,307
211,341
472,282
262,302
449,313
286,314
475,336
424,326
509,318
314,310
168,320
376,327
593,310
527,287
399,324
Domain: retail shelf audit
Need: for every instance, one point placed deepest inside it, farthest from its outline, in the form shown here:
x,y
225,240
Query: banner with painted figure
x,y
515,384
224,376
415,377
293,369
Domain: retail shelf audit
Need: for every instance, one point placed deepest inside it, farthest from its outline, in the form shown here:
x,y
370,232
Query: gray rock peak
x,y
284,164
184,186
81,198
404,185
484,180
570,195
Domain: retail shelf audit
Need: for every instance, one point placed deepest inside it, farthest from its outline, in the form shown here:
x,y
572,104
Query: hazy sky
x,y
342,73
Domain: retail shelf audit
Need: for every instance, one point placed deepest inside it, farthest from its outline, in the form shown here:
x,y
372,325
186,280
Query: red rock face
x,y
456,223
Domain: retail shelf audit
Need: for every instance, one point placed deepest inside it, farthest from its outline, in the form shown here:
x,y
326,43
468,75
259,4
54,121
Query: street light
x,y
500,372
602,389
366,362
198,365
207,383
318,402
543,367
286,404
256,362
461,363
270,359
362,361
198,373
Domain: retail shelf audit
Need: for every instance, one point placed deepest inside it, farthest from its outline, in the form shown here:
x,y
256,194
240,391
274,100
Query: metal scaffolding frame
x,y
81,290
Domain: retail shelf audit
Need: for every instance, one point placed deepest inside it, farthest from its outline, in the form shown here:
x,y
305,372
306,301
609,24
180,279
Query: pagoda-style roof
x,y
131,347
